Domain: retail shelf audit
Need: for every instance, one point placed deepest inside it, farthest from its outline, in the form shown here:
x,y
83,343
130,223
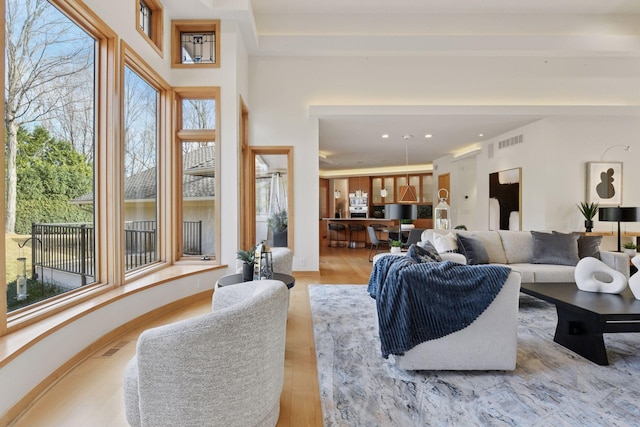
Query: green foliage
x,y
629,245
50,174
278,221
36,291
588,210
247,257
48,211
460,227
395,243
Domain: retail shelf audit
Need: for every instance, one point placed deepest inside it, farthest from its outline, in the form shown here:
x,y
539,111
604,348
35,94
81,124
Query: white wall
x,y
553,159
283,88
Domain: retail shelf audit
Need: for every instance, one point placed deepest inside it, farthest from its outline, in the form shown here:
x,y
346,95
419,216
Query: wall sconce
x,y
337,194
384,192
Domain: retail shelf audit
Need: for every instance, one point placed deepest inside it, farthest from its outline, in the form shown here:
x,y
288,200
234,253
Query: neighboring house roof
x,y
198,180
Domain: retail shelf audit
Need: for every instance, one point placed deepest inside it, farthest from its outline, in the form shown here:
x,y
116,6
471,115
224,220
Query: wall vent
x,y
510,141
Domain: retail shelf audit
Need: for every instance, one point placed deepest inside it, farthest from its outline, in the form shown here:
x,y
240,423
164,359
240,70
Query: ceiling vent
x,y
518,139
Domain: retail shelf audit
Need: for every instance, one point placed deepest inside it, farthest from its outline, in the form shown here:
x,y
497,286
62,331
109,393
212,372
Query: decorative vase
x,y
631,252
588,225
395,249
247,272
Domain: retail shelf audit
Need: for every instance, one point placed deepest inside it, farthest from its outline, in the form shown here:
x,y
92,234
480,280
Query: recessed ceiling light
x,y
428,135
385,135
407,136
481,135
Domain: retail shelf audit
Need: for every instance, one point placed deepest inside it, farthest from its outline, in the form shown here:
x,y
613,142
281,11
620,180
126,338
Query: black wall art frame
x,y
604,183
505,200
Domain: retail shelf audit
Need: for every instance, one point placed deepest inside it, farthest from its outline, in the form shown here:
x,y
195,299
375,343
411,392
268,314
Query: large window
x,y
91,195
140,170
197,123
50,65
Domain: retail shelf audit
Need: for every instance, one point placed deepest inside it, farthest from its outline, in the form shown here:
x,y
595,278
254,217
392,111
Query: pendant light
x,y
407,192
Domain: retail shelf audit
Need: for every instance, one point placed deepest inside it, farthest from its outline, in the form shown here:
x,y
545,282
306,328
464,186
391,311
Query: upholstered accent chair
x,y
224,368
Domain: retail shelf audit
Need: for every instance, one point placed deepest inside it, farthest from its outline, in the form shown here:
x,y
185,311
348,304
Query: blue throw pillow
x,y
473,250
425,253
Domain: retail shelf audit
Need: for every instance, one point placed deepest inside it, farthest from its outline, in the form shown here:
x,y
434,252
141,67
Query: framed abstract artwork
x,y
604,183
505,200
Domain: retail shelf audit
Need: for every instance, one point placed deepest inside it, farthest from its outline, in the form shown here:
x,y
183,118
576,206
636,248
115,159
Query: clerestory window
x,y
149,22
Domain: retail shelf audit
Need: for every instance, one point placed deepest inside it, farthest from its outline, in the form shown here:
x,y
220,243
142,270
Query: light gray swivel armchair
x,y
224,368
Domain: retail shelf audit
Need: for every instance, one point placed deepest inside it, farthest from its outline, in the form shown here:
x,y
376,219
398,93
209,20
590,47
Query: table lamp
x,y
618,214
400,211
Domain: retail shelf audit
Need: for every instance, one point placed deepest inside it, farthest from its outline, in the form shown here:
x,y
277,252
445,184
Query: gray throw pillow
x,y
473,250
425,253
589,246
555,248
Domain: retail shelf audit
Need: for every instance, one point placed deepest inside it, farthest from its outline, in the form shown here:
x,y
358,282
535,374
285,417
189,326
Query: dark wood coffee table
x,y
584,316
232,279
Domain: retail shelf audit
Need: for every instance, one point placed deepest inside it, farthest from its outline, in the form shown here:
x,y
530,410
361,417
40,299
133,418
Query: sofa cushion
x,y
445,242
424,253
526,271
518,246
473,250
554,273
555,248
492,244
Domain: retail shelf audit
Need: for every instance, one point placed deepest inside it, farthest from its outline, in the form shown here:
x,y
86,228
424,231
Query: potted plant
x,y
630,249
588,210
248,259
278,222
395,246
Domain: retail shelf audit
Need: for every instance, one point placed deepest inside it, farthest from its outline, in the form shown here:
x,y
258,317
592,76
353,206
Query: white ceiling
x,y
549,28
355,142
445,6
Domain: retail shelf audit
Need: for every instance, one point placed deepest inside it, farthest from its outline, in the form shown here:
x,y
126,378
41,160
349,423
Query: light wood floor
x,y
91,393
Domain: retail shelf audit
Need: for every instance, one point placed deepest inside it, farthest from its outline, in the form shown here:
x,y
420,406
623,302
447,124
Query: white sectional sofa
x,y
516,250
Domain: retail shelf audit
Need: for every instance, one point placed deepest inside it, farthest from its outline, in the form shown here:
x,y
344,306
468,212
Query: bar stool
x,y
357,229
335,228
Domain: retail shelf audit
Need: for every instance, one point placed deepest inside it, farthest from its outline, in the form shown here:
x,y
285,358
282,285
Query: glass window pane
x,y
49,150
140,174
198,198
198,48
198,114
145,18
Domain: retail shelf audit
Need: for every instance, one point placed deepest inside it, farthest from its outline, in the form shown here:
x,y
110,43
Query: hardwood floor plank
x,y
91,393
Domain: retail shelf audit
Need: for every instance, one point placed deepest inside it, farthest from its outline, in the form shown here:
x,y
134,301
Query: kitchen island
x,y
342,237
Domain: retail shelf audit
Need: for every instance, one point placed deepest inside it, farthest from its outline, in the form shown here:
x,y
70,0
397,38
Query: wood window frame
x,y
194,135
157,24
105,137
129,58
248,198
193,26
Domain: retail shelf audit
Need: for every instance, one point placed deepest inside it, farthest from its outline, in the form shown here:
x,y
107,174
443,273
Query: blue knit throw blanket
x,y
418,302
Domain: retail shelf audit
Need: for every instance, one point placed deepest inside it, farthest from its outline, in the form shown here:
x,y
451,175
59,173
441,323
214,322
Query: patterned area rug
x,y
551,385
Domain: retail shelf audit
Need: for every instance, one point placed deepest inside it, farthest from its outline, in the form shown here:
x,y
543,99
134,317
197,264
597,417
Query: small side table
x,y
233,279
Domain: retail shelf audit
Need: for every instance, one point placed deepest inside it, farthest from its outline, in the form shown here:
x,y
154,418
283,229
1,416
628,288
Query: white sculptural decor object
x,y
588,268
634,281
